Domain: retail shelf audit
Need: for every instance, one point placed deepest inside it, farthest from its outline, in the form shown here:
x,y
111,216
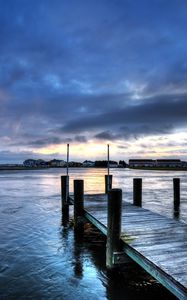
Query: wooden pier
x,y
157,243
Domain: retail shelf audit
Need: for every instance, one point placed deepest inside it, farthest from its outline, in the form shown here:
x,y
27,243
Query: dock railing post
x,y
108,183
113,225
78,204
65,194
137,191
176,194
108,177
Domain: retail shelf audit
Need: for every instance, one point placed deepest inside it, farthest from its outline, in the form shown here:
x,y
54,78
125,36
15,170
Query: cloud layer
x,y
91,72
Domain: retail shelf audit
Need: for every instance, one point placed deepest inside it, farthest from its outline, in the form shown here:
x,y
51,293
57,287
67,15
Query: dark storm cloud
x,y
48,141
107,135
55,141
30,140
78,70
156,115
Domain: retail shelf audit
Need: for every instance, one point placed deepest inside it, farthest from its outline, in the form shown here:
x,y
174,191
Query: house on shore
x,y
160,163
34,163
88,164
184,164
57,163
175,163
29,163
113,164
133,163
75,164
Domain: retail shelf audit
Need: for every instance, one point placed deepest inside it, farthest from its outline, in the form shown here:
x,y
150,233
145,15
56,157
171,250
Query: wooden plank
x,y
96,223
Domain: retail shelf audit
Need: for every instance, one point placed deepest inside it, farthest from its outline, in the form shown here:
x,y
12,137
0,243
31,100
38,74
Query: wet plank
x,y
155,242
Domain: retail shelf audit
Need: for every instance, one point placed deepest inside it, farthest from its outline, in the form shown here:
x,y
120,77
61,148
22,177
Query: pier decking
x,y
157,243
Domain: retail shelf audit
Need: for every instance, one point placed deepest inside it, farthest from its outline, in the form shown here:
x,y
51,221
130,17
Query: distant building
x,y
133,163
184,164
57,163
168,163
113,164
35,163
88,163
30,163
74,164
165,163
41,163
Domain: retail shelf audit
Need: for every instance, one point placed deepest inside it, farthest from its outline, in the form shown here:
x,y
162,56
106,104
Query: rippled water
x,y
40,259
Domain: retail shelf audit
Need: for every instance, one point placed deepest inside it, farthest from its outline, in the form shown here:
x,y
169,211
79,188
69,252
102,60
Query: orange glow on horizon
x,y
148,146
92,151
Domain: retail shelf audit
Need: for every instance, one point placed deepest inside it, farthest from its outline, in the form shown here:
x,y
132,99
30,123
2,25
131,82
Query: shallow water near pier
x,y
41,259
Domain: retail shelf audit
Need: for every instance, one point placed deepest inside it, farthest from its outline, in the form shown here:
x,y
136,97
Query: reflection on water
x,y
41,259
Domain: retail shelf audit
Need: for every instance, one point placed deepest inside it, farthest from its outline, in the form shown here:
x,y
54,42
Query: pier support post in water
x,y
137,191
176,194
108,183
65,194
113,225
79,204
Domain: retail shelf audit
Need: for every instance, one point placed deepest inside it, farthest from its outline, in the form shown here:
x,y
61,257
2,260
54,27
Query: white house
x,y
30,163
88,163
57,163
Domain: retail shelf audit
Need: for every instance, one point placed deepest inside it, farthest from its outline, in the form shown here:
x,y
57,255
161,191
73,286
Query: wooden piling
x,y
67,162
113,225
65,193
137,191
78,203
108,183
176,194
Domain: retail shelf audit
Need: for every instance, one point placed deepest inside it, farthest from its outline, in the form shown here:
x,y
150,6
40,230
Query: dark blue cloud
x,y
81,70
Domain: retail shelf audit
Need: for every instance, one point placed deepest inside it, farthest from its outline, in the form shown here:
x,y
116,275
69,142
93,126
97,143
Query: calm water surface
x,y
41,259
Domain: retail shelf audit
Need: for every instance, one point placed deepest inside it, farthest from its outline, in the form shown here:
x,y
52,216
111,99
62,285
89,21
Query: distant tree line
x,y
104,163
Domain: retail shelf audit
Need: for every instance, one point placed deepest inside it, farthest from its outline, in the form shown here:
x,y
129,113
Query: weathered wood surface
x,y
157,243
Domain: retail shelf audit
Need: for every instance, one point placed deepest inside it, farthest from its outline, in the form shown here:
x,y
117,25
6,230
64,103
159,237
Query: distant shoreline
x,y
19,168
12,168
159,168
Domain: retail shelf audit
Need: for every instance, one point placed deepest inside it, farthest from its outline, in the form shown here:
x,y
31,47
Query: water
x,y
40,259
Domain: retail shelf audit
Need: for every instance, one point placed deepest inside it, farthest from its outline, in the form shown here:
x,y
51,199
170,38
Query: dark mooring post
x,y
108,177
113,225
65,194
137,191
78,203
108,183
176,194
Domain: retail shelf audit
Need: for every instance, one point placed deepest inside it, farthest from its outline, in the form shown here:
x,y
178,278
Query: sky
x,y
91,73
